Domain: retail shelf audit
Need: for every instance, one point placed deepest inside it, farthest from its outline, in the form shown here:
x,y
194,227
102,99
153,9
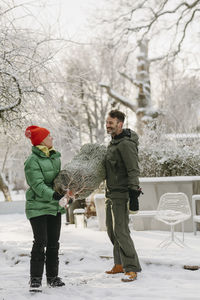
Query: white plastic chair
x,y
173,208
196,218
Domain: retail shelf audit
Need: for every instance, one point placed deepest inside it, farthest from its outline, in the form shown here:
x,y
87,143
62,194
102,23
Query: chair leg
x,y
172,232
169,240
183,230
165,242
194,228
173,239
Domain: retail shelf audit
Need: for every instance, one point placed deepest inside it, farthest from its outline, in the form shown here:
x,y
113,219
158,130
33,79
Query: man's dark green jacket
x,y
40,172
122,169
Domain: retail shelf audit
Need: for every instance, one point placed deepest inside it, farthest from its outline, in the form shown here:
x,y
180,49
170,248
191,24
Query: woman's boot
x,y
52,263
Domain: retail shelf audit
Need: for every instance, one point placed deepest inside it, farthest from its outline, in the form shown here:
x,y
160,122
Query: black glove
x,y
134,203
57,196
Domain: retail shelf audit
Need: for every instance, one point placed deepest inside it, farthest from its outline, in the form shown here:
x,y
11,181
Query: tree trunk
x,y
143,109
4,188
143,81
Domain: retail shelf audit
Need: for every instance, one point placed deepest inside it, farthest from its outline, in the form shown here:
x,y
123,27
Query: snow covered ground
x,y
82,268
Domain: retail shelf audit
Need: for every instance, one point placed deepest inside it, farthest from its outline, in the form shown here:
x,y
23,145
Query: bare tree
x,y
180,103
142,105
148,18
26,63
85,103
165,24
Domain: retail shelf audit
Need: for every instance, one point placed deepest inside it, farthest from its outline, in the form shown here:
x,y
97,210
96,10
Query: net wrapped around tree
x,y
84,173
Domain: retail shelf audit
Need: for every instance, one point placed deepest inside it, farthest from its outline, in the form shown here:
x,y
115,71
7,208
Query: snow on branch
x,y
119,98
148,113
131,79
4,93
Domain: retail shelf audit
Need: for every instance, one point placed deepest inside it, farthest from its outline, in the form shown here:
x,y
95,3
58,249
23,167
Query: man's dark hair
x,y
115,113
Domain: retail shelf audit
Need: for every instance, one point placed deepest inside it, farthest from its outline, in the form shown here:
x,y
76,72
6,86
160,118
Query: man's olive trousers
x,y
117,219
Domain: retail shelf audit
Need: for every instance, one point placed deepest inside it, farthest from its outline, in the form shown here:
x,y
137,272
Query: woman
x,y
42,207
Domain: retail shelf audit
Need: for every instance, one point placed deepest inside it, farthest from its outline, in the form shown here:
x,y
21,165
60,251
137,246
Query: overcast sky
x,y
67,17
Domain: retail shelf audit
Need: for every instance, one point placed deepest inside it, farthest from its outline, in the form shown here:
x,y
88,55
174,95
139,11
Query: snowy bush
x,y
160,156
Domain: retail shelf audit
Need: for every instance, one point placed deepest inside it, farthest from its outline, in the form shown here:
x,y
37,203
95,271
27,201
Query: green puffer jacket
x,y
40,172
122,169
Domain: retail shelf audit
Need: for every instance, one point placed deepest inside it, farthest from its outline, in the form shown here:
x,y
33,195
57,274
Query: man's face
x,y
113,126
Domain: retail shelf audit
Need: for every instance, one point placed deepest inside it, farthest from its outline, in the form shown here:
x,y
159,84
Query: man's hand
x,y
134,203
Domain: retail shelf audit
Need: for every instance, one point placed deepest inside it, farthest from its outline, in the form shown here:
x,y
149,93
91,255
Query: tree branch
x,y
119,98
19,99
133,81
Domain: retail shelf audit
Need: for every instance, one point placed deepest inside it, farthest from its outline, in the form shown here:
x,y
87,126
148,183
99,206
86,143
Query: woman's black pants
x,y
46,232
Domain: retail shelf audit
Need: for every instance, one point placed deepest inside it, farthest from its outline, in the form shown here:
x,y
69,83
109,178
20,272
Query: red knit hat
x,y
36,134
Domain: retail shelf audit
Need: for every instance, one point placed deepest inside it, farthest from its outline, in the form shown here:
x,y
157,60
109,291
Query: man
x,y
122,182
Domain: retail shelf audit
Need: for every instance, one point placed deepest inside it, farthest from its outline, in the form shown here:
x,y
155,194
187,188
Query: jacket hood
x,y
126,134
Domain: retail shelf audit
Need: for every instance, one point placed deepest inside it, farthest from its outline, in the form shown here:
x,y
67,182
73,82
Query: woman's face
x,y
48,141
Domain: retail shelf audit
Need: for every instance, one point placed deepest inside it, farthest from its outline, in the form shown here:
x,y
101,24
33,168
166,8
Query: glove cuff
x,y
57,196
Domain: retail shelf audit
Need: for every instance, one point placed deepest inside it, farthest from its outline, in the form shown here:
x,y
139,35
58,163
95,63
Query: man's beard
x,y
111,131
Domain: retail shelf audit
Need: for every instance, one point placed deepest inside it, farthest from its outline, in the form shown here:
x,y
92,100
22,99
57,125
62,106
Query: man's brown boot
x,y
129,276
116,269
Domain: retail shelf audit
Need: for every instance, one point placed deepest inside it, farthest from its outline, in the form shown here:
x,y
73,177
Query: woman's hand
x,y
68,198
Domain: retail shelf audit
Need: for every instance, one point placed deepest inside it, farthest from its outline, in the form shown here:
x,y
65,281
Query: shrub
x,y
160,156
